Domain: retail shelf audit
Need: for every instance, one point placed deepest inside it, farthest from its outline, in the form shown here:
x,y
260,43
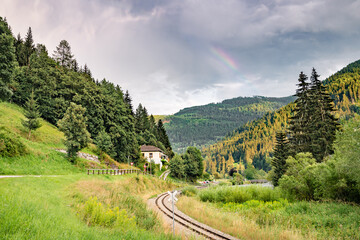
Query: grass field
x,y
51,207
276,218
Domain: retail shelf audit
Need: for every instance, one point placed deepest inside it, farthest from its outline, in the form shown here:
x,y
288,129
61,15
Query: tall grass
x,y
44,208
230,194
262,213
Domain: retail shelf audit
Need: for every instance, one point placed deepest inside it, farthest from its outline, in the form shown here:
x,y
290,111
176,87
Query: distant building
x,y
153,153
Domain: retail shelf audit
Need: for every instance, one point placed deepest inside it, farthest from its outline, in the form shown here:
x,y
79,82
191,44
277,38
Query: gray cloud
x,y
174,54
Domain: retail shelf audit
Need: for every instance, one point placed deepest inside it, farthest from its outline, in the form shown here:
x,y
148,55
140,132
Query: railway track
x,y
180,218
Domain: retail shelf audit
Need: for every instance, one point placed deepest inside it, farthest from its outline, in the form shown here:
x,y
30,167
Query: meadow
x,y
80,207
264,213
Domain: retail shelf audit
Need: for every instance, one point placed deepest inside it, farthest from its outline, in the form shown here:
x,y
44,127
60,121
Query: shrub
x,y
305,179
96,213
11,146
189,191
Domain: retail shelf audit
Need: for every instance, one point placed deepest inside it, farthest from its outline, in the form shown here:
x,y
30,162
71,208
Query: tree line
x,y
58,86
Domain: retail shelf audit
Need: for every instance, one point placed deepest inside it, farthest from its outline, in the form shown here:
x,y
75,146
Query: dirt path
x,y
16,176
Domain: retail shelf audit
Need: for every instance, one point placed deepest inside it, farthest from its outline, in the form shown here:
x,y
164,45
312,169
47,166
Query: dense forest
x,y
58,80
204,125
252,144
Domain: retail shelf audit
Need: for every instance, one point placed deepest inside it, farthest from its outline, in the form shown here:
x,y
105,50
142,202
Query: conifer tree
x,y
299,122
323,124
281,153
128,101
74,127
29,46
63,54
8,59
32,114
20,51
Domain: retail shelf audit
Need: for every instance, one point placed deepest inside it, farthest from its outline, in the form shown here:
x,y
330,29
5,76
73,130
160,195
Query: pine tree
x,y
29,46
63,54
128,101
8,59
20,51
73,124
281,153
32,114
322,124
299,122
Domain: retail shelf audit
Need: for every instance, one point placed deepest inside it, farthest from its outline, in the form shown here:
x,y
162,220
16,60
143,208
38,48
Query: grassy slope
x,y
42,157
47,207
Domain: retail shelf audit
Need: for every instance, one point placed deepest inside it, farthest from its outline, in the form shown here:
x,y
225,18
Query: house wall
x,y
156,157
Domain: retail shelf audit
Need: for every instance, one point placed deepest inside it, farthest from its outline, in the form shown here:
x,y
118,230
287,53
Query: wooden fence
x,y
114,171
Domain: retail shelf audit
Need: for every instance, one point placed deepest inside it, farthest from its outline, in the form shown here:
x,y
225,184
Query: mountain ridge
x,y
203,125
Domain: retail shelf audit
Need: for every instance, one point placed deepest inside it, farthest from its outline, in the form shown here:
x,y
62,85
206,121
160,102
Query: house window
x,y
150,155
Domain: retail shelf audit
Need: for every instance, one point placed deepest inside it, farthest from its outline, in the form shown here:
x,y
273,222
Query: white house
x,y
153,153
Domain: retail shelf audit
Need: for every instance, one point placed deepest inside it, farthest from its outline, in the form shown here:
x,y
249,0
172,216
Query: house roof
x,y
149,148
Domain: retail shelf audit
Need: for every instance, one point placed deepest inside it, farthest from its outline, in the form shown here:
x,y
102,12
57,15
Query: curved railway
x,y
190,223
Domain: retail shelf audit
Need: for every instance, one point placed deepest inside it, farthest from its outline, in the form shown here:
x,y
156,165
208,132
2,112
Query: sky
x,y
172,54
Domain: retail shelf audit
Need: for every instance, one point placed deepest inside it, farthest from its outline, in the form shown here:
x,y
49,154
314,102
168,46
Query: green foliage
x,y
232,194
74,127
7,59
237,179
103,142
281,153
304,178
203,125
63,55
193,163
10,145
189,165
94,213
313,125
189,191
346,162
177,167
32,115
256,206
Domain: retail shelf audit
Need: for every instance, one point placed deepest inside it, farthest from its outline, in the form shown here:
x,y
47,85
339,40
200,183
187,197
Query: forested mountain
x,y
58,80
253,143
203,125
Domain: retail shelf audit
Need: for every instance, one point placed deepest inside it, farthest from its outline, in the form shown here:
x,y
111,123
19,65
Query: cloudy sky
x,y
172,54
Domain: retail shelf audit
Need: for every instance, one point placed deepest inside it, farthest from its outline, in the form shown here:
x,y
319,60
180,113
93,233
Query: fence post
x,y
88,171
93,172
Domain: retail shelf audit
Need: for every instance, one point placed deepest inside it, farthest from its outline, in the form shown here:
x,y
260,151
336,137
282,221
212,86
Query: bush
x,y
304,178
11,146
237,179
96,213
189,191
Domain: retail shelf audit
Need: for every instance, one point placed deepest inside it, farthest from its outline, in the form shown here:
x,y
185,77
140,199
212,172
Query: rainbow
x,y
224,58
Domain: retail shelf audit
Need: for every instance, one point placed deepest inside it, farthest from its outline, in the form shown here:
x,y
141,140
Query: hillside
x,y
36,155
203,125
254,142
